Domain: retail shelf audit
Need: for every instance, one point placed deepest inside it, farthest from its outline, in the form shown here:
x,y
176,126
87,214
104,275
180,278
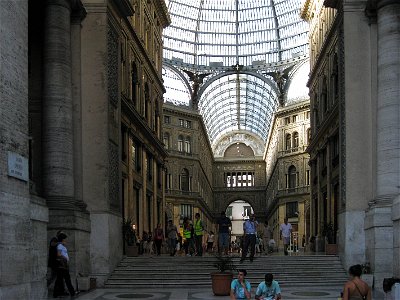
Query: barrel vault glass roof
x,y
212,35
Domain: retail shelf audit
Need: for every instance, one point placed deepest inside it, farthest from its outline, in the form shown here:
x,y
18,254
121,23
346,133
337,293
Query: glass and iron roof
x,y
236,42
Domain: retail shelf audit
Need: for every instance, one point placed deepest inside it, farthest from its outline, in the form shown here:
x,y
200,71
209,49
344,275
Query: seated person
x,y
240,287
268,289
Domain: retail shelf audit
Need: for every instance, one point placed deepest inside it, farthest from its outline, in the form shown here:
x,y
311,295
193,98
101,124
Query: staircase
x,y
167,271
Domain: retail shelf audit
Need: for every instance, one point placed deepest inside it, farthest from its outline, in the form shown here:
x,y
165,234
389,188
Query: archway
x,y
238,211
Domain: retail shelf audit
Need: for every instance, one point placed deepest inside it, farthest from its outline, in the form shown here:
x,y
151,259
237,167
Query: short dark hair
x,y
222,213
62,236
269,277
243,271
197,214
355,270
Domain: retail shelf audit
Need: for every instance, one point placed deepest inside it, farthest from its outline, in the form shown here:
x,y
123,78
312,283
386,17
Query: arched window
x,y
288,142
134,82
188,147
295,139
166,140
292,177
180,143
184,182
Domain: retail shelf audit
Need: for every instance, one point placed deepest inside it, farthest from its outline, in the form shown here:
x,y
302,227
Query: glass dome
x,y
223,57
230,32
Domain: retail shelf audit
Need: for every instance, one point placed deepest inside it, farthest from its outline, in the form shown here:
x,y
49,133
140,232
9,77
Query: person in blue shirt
x,y
240,287
268,289
250,234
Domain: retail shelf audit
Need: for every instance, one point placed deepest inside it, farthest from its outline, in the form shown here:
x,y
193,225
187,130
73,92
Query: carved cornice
x,y
162,10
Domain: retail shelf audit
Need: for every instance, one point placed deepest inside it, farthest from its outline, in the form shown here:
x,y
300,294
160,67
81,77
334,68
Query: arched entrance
x,y
238,211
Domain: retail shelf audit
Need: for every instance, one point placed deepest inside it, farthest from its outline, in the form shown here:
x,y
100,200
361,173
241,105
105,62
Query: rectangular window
x,y
294,118
180,145
186,211
167,119
291,209
229,211
181,123
188,124
287,120
307,114
123,143
169,182
307,177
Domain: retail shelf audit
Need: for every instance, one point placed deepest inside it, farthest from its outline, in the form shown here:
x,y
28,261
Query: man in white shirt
x,y
285,232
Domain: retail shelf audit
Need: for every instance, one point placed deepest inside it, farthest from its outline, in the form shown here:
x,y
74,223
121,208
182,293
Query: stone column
x,y
77,16
379,225
58,173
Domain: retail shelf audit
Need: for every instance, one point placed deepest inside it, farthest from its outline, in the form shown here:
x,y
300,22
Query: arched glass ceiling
x,y
226,32
237,102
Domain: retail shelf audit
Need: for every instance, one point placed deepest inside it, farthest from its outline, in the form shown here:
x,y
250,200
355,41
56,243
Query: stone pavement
x,y
296,293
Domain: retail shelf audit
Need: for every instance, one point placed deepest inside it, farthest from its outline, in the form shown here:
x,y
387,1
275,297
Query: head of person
x,y
266,223
159,225
285,220
197,216
355,271
222,214
62,237
169,222
268,279
242,274
252,217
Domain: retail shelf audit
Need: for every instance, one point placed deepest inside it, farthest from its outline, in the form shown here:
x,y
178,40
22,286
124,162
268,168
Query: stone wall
x,y
23,220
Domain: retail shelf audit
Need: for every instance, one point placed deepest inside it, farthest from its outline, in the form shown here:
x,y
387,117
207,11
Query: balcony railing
x,y
293,191
181,193
292,150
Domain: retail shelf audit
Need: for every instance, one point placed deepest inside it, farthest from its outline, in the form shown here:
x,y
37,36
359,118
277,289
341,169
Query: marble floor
x,y
298,293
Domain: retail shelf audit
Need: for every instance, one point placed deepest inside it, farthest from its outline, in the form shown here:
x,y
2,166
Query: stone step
x,y
166,271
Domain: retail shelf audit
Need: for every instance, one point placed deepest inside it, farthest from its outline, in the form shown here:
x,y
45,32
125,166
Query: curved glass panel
x,y
298,90
177,92
237,102
227,32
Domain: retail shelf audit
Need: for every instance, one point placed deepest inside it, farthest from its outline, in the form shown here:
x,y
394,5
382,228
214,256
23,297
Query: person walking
x,y
240,287
187,234
356,288
210,242
268,289
250,234
285,233
266,237
62,269
172,233
158,238
198,234
223,224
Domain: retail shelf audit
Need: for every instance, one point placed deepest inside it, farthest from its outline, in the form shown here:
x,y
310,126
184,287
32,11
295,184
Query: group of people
x,y
58,264
354,289
267,290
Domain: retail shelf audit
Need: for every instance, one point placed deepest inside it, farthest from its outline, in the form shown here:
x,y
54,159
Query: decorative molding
x,y
113,179
112,64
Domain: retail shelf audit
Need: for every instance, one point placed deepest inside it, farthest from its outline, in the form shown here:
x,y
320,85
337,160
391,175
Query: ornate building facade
x,y
188,188
83,133
288,172
354,149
